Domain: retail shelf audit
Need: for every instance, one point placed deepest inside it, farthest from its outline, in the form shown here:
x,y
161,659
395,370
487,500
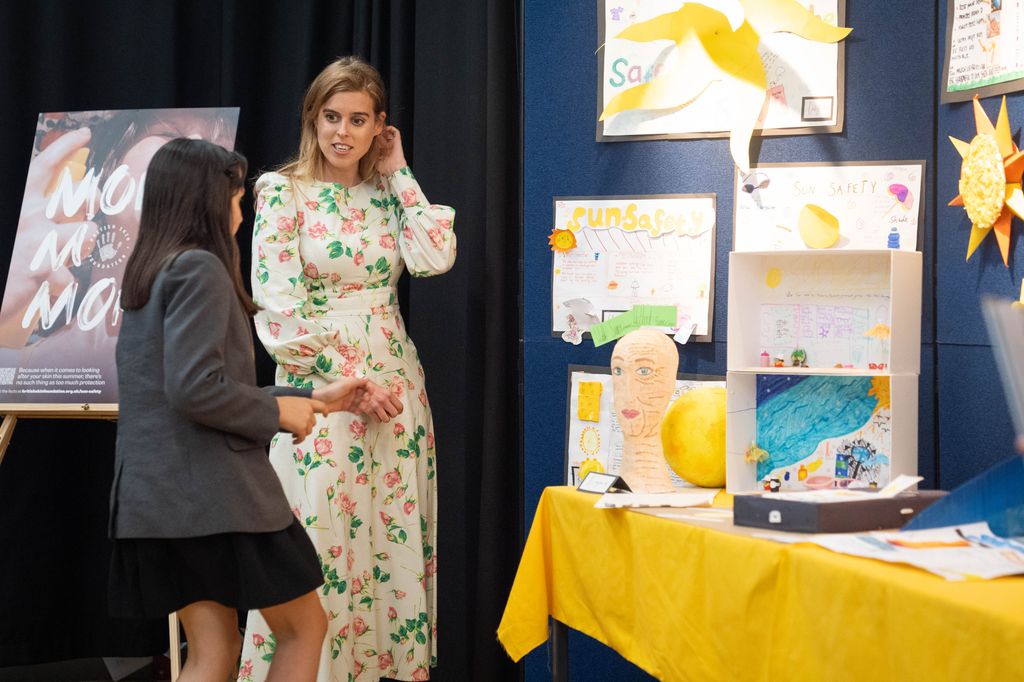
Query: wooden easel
x,y
12,412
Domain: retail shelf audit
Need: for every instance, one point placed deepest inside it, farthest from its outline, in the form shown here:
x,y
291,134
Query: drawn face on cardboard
x,y
644,364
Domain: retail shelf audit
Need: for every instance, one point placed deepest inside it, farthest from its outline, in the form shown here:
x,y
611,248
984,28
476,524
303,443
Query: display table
x,y
699,600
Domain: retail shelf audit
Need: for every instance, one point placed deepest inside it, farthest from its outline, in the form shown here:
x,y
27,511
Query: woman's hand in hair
x,y
391,156
360,396
298,415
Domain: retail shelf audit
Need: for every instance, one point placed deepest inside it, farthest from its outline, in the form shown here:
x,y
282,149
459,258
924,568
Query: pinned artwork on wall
x,y
717,68
594,437
818,431
990,180
856,205
983,55
626,252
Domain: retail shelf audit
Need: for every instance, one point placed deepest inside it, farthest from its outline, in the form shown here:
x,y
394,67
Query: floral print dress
x,y
326,259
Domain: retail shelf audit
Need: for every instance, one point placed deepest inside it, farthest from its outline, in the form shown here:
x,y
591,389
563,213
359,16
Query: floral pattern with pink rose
x,y
326,260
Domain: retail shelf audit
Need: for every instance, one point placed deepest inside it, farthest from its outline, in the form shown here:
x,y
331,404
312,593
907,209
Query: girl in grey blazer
x,y
199,521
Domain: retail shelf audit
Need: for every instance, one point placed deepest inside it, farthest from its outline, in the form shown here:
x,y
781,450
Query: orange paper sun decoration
x,y
562,241
990,180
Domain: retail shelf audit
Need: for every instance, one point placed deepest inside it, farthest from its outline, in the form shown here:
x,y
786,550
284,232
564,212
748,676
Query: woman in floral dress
x,y
334,229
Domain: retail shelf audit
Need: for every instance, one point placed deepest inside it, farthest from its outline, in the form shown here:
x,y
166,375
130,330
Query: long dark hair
x,y
186,205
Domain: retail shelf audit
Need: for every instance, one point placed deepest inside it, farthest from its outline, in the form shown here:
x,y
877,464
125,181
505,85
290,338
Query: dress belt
x,y
362,302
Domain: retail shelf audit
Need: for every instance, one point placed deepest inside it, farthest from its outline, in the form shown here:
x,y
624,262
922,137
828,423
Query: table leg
x,y
559,651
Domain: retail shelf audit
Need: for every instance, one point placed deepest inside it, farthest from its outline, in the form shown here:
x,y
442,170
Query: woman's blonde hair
x,y
345,74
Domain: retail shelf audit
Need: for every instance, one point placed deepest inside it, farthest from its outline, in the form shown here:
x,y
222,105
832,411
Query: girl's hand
x,y
343,395
298,415
391,156
359,396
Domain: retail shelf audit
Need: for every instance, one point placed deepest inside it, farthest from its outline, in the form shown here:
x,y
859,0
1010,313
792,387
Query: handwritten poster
x,y
78,224
984,48
873,205
653,249
804,85
593,434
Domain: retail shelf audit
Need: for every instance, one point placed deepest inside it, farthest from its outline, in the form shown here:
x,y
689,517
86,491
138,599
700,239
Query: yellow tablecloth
x,y
687,601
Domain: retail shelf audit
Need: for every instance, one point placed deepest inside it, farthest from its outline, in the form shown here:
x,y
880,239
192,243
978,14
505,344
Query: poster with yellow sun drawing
x,y
613,253
677,69
593,435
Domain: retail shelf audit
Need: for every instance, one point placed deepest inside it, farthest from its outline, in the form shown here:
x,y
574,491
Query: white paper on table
x,y
899,484
953,552
691,498
823,496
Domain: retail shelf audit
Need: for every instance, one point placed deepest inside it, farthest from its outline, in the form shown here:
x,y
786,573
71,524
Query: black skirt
x,y
150,578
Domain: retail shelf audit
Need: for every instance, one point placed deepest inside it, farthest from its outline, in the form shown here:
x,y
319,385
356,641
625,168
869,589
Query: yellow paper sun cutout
x,y
562,241
990,180
707,49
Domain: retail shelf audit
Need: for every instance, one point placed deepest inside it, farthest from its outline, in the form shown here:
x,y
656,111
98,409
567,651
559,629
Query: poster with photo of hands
x,y
78,223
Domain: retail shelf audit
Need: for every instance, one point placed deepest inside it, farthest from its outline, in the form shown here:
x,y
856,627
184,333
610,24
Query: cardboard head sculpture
x,y
644,365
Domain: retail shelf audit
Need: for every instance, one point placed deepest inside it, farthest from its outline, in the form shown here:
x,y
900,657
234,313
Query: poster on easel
x,y
803,78
856,205
594,437
79,220
617,252
984,51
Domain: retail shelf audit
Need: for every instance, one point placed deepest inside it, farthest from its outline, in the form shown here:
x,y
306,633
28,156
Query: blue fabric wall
x,y
892,113
973,427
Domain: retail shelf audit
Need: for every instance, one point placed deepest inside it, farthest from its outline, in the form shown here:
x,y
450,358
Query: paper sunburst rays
x,y
990,180
710,47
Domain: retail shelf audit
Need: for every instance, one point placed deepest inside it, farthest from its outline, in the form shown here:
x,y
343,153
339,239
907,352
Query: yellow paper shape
x,y
818,228
773,278
1002,131
707,49
978,235
789,16
588,465
588,404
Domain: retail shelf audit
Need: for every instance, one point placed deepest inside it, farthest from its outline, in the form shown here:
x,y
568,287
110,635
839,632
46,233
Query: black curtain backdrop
x,y
453,72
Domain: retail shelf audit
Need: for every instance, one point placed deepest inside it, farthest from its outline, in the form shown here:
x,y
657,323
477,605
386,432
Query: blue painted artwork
x,y
804,419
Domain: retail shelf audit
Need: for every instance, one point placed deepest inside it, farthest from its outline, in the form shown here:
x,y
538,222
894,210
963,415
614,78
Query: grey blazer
x,y
193,426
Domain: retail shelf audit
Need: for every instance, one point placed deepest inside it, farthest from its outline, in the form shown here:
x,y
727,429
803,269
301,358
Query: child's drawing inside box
x,y
809,431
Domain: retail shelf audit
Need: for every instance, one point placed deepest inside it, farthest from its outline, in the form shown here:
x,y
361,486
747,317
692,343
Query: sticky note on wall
x,y
588,404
